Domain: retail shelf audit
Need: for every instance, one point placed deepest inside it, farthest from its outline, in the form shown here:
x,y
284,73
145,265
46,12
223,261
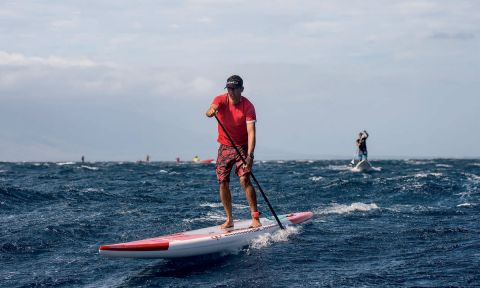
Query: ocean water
x,y
413,223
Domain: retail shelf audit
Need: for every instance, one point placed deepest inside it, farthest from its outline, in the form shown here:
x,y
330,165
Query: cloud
x,y
205,19
326,58
453,36
59,77
123,39
318,27
202,85
416,7
17,59
54,75
65,24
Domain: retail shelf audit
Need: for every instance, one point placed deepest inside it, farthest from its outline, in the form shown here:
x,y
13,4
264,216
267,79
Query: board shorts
x,y
227,158
362,155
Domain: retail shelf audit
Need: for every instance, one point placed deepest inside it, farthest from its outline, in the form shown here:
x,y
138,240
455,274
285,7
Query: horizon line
x,y
256,160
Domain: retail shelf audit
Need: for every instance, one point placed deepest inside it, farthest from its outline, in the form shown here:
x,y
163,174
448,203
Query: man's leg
x,y
362,156
226,198
225,162
251,198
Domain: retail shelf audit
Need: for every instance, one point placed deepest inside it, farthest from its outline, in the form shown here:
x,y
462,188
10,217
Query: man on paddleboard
x,y
237,114
362,145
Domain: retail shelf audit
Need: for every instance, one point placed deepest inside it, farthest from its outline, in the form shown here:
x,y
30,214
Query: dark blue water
x,y
414,223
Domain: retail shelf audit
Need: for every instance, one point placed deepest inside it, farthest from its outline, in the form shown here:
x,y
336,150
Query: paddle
x,y
352,163
251,173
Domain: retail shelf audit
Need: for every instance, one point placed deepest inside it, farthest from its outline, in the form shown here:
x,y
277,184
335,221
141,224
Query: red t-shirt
x,y
234,118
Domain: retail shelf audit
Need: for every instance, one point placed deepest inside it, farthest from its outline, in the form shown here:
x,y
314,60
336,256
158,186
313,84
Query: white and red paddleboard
x,y
363,166
202,241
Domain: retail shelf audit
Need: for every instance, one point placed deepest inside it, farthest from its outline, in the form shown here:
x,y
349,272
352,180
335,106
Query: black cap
x,y
234,81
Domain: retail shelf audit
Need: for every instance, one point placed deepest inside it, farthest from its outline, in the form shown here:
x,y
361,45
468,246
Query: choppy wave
x,y
423,174
342,208
443,165
339,167
466,205
268,239
65,163
89,167
414,217
316,178
209,216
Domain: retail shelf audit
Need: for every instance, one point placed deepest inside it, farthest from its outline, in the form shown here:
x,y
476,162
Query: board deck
x,y
201,241
362,166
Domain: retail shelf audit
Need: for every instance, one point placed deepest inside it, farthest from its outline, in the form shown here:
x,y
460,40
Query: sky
x,y
115,80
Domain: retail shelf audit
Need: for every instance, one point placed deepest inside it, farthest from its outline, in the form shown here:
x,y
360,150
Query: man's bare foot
x,y
226,225
255,223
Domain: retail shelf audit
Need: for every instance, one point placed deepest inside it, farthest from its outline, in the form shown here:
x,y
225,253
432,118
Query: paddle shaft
x,y
251,173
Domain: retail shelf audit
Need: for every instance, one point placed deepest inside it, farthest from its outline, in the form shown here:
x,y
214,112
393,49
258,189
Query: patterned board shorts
x,y
227,157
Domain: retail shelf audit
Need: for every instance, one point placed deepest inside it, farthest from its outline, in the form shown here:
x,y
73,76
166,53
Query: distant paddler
x,y
362,145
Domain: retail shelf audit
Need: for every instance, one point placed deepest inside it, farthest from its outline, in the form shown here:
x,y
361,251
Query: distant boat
x,y
206,161
197,160
363,166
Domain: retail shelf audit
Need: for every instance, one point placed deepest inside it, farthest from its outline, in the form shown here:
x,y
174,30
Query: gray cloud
x,y
119,79
453,36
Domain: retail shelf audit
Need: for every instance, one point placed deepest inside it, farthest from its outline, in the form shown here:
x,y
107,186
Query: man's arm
x,y
365,133
212,110
251,142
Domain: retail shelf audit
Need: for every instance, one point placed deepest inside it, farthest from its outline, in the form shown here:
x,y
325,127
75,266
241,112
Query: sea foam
x,y
278,236
342,208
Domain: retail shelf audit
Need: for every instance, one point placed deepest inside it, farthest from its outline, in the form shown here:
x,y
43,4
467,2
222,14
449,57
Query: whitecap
x,y
211,205
472,177
240,206
424,175
267,239
163,171
443,165
465,205
211,215
91,190
421,175
65,163
128,212
316,178
342,209
416,162
219,204
463,194
339,167
89,167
